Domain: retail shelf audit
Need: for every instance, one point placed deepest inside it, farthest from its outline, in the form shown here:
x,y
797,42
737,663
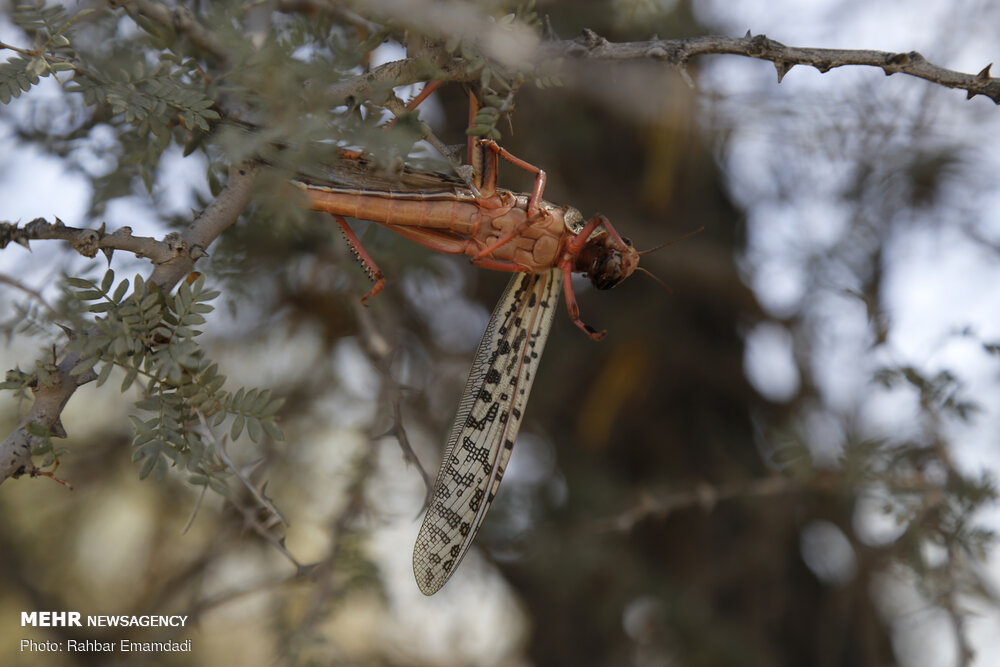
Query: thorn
x,y
108,253
59,223
548,34
782,68
984,75
70,333
969,95
686,77
748,35
23,241
590,37
100,230
57,430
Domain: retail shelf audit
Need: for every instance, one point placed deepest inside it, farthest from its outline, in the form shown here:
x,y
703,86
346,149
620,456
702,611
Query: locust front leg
x,y
371,267
568,264
574,310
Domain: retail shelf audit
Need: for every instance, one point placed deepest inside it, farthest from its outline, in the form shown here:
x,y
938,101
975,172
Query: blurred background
x,y
788,458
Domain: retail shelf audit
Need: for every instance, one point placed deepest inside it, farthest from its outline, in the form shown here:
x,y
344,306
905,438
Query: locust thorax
x,y
606,262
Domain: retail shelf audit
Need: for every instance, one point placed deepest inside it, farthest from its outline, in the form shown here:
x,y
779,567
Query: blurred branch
x,y
181,19
17,49
33,293
380,353
262,527
706,496
964,654
703,495
187,247
257,493
201,607
399,109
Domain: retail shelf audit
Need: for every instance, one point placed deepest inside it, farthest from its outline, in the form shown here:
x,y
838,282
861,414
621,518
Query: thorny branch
x,y
451,19
88,241
429,63
679,51
706,496
33,293
436,63
380,353
241,474
50,399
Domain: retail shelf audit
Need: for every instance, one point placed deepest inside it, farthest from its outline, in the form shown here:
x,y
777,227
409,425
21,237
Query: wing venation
x,y
486,424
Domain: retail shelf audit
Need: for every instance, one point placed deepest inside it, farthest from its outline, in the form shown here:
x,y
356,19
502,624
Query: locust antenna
x,y
664,245
653,276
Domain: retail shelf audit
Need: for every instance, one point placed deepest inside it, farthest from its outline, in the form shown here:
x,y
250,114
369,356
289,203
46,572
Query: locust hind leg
x,y
489,159
371,268
499,152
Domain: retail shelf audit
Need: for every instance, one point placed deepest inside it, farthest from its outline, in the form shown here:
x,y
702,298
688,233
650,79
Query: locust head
x,y
605,257
607,262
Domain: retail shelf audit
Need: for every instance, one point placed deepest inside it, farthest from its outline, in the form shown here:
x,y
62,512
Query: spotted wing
x,y
485,427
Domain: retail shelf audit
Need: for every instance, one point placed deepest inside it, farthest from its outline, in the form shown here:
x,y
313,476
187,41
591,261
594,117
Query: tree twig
x,y
591,46
703,495
87,241
33,293
258,494
678,51
182,20
380,353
